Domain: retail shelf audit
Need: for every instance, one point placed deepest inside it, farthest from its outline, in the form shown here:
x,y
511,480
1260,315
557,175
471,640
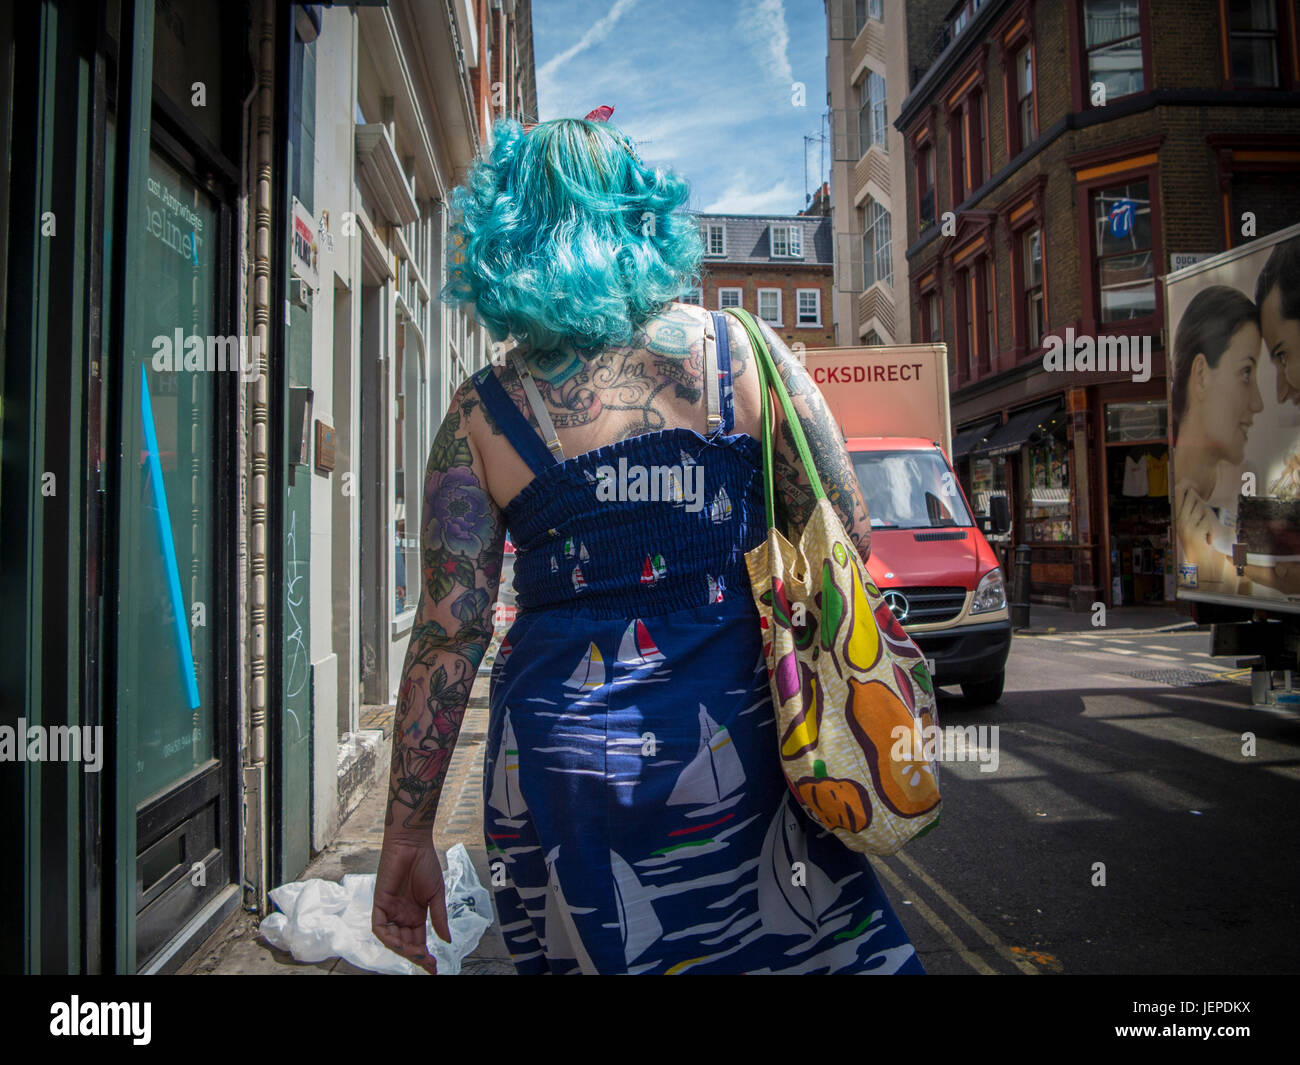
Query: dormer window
x,y
715,239
787,242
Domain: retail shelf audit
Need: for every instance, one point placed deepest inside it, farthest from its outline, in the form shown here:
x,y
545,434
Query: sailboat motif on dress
x,y
648,577
715,771
568,547
579,583
505,796
555,564
637,648
716,587
720,509
559,929
582,553
676,493
793,905
637,924
590,672
686,459
591,477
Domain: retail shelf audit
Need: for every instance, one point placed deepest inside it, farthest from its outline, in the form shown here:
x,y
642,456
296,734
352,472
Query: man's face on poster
x,y
1282,335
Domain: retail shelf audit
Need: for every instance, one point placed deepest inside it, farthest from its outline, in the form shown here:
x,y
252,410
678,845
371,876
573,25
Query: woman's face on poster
x,y
1282,335
1229,394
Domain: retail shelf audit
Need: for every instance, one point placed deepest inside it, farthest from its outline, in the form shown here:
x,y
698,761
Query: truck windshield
x,y
909,490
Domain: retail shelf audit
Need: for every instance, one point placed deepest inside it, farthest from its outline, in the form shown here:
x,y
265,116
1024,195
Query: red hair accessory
x,y
600,114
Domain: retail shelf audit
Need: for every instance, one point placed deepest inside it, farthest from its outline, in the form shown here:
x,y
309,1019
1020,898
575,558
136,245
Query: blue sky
x,y
702,86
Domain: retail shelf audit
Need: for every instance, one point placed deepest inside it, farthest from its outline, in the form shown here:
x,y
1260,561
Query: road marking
x,y
937,923
1162,647
1121,651
974,923
1160,658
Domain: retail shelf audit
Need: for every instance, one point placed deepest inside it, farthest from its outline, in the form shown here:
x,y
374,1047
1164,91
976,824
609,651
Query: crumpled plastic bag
x,y
321,919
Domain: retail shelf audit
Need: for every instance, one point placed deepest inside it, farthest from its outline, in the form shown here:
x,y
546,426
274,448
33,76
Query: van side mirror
x,y
999,515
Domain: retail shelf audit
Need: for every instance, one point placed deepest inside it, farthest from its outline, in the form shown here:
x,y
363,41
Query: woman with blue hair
x,y
636,816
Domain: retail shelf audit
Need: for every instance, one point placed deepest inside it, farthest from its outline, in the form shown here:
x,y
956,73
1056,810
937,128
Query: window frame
x,y
793,240
1287,50
1015,35
1266,153
698,292
779,321
740,296
966,109
867,105
873,228
1117,165
1080,84
709,227
798,312
1022,211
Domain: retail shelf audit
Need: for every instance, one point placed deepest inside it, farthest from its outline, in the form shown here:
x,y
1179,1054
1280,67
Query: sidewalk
x,y
1048,619
237,949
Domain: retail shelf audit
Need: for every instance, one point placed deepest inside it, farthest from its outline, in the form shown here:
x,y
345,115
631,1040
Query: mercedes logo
x,y
897,604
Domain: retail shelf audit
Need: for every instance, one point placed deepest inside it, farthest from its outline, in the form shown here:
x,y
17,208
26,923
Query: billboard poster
x,y
1234,407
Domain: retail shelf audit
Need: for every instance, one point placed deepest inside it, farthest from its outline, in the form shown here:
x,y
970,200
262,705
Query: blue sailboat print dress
x,y
635,812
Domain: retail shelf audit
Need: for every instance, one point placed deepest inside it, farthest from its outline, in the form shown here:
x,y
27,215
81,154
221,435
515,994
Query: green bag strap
x,y
770,377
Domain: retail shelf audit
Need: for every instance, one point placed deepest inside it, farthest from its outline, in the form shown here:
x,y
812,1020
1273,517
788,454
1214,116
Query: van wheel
x,y
984,691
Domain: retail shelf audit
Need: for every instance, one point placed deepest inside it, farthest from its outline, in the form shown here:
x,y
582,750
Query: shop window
x,y
1112,34
1253,43
1122,251
1046,476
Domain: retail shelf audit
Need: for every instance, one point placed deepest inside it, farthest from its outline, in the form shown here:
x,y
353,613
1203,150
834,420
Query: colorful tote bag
x,y
855,704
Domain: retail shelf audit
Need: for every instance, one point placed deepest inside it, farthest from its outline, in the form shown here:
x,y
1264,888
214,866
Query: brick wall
x,y
750,280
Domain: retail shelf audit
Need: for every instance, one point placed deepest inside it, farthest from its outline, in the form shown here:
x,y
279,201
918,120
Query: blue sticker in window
x,y
1121,218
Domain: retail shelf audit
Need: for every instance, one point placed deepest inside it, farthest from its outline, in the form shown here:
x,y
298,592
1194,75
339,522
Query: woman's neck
x,y
1195,459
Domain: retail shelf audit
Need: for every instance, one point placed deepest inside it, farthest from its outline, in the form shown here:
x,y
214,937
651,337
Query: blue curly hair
x,y
562,237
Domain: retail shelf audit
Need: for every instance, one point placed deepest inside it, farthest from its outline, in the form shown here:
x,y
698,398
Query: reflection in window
x,y
909,490
1033,267
1113,41
1122,245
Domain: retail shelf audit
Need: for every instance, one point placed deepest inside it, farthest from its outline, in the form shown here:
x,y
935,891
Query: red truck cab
x,y
931,561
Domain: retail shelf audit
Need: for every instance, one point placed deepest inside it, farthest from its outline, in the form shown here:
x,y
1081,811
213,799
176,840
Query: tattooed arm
x,y
794,494
461,539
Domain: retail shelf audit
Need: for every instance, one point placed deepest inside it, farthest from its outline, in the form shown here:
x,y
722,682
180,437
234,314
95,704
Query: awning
x,y
973,436
1018,430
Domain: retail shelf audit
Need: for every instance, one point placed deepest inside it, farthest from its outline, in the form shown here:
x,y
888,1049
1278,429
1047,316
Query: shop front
x,y
1139,567
1028,458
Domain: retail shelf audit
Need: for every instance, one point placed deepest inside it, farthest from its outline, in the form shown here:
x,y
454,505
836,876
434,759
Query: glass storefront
x,y
167,602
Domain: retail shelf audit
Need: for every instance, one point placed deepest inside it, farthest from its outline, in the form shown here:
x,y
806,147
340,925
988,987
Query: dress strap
x,y
523,438
540,412
721,394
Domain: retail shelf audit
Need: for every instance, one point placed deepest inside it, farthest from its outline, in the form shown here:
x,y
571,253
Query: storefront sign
x,y
324,447
1180,260
305,252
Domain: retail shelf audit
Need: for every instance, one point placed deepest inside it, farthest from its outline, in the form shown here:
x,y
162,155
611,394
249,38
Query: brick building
x,y
778,267
1060,157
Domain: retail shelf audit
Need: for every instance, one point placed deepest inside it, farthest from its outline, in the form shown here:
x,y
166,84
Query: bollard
x,y
1020,588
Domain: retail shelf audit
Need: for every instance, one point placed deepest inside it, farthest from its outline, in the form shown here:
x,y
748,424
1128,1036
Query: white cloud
x,y
740,197
763,22
597,32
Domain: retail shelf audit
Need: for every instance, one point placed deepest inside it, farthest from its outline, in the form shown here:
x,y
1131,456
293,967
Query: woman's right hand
x,y
409,887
